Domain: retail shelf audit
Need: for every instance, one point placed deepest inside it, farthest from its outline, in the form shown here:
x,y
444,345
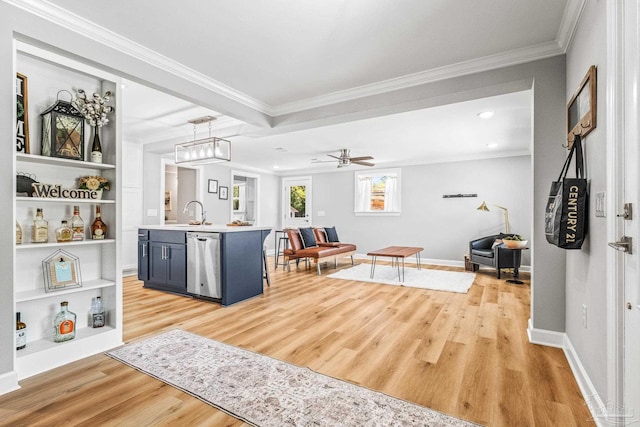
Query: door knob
x,y
623,245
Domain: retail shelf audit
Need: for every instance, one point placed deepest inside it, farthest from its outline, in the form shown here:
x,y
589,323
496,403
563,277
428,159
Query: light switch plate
x,y
600,200
320,213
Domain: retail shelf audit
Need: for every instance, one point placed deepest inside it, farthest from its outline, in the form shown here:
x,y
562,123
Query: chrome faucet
x,y
204,214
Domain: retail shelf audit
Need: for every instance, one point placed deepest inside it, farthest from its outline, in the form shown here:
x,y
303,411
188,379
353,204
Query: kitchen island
x,y
219,263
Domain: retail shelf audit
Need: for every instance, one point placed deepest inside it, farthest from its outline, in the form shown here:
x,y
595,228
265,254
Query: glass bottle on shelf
x,y
98,228
18,233
40,230
77,225
21,333
64,233
97,318
96,147
64,325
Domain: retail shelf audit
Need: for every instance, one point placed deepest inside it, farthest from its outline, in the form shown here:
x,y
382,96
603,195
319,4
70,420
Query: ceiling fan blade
x,y
356,159
335,157
323,161
360,162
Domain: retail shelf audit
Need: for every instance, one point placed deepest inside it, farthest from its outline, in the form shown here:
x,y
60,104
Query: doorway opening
x,y
297,202
244,197
180,185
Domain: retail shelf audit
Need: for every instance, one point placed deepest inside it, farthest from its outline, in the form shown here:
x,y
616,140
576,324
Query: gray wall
x,y
586,268
443,227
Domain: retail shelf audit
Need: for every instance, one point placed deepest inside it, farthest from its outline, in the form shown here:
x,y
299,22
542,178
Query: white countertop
x,y
213,228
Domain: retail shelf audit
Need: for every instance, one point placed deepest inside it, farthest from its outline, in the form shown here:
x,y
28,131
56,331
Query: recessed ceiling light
x,y
492,145
485,114
276,167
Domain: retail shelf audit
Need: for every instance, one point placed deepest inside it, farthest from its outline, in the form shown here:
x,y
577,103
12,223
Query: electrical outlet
x,y
321,213
584,315
152,212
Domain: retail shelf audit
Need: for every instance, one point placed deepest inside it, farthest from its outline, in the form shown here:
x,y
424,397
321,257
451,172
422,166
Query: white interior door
x,y
297,196
631,228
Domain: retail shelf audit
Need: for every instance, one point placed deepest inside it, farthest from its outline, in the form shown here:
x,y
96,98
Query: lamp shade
x,y
483,207
63,131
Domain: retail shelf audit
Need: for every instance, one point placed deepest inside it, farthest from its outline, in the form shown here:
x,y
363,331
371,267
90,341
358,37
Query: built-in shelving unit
x,y
99,260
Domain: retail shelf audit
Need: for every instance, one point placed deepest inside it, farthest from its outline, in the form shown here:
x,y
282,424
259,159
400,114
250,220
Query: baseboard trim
x,y
9,382
597,407
441,262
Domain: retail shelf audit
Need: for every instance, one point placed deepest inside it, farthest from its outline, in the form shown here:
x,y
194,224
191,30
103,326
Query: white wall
x,y
586,268
132,204
442,226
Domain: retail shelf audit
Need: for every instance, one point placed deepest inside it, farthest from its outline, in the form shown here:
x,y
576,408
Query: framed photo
x,y
581,109
224,193
61,271
22,114
213,186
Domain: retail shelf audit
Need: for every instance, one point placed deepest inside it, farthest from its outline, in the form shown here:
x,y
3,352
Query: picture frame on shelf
x,y
224,193
61,271
581,109
213,186
22,114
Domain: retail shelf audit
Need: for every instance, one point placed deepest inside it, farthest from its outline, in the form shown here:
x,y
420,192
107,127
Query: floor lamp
x,y
484,207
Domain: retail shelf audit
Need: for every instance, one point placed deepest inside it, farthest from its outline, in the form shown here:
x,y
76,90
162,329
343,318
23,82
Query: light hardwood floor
x,y
463,354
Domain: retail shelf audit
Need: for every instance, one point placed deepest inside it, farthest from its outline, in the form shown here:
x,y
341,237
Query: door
x,y
143,260
297,198
176,264
157,263
629,226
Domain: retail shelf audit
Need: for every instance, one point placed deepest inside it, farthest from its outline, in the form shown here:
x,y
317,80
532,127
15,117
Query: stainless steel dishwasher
x,y
203,264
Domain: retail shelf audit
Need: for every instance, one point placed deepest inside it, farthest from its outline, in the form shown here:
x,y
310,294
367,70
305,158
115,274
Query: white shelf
x,y
36,294
47,343
27,246
57,200
55,161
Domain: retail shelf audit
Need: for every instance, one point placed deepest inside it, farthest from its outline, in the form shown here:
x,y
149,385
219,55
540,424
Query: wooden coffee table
x,y
395,253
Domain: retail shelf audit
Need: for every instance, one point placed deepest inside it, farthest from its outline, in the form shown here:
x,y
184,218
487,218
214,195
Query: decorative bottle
x,y
98,228
21,333
40,230
96,148
63,233
64,325
97,318
77,225
18,233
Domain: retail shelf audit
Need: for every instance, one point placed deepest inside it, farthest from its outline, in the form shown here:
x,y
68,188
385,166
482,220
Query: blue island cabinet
x,y
242,269
167,261
162,260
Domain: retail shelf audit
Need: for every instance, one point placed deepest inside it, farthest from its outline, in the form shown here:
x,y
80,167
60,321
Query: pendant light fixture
x,y
201,151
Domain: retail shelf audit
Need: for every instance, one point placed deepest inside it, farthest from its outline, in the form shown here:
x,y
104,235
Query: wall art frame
x,y
582,107
224,193
212,186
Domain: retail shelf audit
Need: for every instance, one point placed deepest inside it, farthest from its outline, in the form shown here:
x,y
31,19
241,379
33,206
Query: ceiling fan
x,y
345,159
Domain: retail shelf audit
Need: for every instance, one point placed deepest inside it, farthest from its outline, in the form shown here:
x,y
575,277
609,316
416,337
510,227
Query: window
x,y
377,193
239,198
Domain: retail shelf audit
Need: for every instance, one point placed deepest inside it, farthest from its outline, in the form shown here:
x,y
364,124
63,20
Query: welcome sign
x,y
57,192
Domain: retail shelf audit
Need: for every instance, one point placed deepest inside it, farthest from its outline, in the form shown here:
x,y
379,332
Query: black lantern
x,y
63,130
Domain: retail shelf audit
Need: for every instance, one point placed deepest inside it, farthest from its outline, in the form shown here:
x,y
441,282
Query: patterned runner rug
x,y
267,392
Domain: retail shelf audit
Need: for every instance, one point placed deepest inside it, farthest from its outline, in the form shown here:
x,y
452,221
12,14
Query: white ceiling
x,y
285,56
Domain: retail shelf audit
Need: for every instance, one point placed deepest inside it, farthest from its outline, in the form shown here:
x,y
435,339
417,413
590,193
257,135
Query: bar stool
x,y
266,266
281,240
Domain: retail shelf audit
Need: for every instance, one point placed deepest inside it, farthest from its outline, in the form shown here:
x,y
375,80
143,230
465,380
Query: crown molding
x,y
57,15
491,62
570,18
88,29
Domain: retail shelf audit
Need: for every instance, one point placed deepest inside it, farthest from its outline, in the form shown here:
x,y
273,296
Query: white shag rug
x,y
267,392
438,280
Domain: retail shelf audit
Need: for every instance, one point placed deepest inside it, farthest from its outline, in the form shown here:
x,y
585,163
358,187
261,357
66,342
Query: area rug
x,y
438,280
267,392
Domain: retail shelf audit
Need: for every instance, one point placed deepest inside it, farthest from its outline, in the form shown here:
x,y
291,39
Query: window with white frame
x,y
377,192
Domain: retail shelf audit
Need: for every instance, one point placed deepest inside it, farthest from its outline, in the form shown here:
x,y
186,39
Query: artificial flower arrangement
x,y
94,109
93,183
